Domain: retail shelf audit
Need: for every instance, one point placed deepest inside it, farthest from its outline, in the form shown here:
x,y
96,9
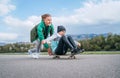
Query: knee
x,y
63,36
69,37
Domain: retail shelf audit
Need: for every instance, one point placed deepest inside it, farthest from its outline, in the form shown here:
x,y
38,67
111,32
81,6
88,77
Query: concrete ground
x,y
85,66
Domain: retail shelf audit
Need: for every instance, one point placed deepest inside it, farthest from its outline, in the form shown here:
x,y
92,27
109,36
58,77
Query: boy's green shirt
x,y
43,32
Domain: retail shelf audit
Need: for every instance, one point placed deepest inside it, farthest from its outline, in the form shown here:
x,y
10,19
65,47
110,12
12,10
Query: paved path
x,y
85,66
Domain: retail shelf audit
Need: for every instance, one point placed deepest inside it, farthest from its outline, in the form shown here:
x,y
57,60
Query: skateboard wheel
x,y
71,57
56,57
74,57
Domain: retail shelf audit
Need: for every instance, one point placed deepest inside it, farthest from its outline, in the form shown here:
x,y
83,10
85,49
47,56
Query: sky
x,y
18,17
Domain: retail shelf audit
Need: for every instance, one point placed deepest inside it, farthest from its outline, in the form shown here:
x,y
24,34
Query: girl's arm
x,y
50,38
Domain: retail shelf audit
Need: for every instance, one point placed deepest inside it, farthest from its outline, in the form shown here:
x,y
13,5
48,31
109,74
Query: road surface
x,y
85,66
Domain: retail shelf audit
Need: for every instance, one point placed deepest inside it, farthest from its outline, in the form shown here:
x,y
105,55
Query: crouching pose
x,y
60,43
39,33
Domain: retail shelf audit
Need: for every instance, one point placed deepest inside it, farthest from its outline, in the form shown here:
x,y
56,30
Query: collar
x,y
59,35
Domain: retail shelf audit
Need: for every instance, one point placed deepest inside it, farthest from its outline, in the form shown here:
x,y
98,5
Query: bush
x,y
100,43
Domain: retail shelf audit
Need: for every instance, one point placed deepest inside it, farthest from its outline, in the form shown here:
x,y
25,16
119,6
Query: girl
x,y
44,29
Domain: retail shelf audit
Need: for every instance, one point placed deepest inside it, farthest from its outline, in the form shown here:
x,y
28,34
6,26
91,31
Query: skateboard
x,y
59,56
71,56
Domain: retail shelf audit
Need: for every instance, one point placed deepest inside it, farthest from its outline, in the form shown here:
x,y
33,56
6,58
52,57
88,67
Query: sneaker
x,y
35,55
77,51
80,50
74,51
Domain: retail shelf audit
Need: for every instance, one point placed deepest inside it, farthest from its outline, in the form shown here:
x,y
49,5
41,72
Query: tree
x,y
99,43
117,46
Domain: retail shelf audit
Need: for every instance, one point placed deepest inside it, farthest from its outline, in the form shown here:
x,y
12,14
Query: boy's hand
x,y
79,45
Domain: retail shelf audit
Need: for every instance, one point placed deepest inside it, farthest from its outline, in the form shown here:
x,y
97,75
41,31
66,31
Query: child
x,y
61,43
44,28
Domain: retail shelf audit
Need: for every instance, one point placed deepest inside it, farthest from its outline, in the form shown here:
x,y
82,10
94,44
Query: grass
x,y
85,53
13,54
101,52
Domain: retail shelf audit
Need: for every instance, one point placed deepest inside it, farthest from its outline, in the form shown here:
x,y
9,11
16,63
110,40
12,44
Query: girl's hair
x,y
45,15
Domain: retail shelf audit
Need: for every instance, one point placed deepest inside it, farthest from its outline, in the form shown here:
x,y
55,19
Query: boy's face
x,y
48,21
62,33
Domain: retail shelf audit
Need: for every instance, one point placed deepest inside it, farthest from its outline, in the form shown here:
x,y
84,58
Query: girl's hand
x,y
43,42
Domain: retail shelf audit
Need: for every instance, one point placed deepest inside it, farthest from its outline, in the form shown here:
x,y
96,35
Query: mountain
x,y
87,36
2,43
76,37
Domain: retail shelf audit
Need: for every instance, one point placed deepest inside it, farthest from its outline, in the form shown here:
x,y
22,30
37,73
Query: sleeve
x,y
51,38
48,40
46,45
40,33
76,42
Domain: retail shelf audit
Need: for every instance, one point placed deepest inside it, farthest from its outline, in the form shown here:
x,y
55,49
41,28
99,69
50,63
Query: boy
x,y
61,43
44,28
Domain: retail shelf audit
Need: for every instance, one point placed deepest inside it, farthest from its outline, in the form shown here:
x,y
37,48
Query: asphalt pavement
x,y
85,66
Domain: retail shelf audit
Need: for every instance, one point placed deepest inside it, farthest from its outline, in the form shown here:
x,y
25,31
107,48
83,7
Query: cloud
x,y
6,7
93,13
15,22
7,36
21,27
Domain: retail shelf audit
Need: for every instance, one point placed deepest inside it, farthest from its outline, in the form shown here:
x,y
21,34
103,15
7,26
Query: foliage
x,y
101,43
14,48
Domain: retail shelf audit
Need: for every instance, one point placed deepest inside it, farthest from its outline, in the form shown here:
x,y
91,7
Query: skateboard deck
x,y
71,56
61,56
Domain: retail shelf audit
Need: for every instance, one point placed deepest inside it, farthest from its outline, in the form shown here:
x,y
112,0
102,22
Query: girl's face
x,y
48,21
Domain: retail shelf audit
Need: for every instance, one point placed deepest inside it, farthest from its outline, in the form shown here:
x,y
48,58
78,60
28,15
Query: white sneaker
x,y
35,55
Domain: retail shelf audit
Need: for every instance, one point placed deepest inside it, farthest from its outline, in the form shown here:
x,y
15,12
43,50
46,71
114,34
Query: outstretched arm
x,y
49,39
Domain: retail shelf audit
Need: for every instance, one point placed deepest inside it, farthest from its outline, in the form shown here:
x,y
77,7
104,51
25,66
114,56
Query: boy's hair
x,y
45,15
